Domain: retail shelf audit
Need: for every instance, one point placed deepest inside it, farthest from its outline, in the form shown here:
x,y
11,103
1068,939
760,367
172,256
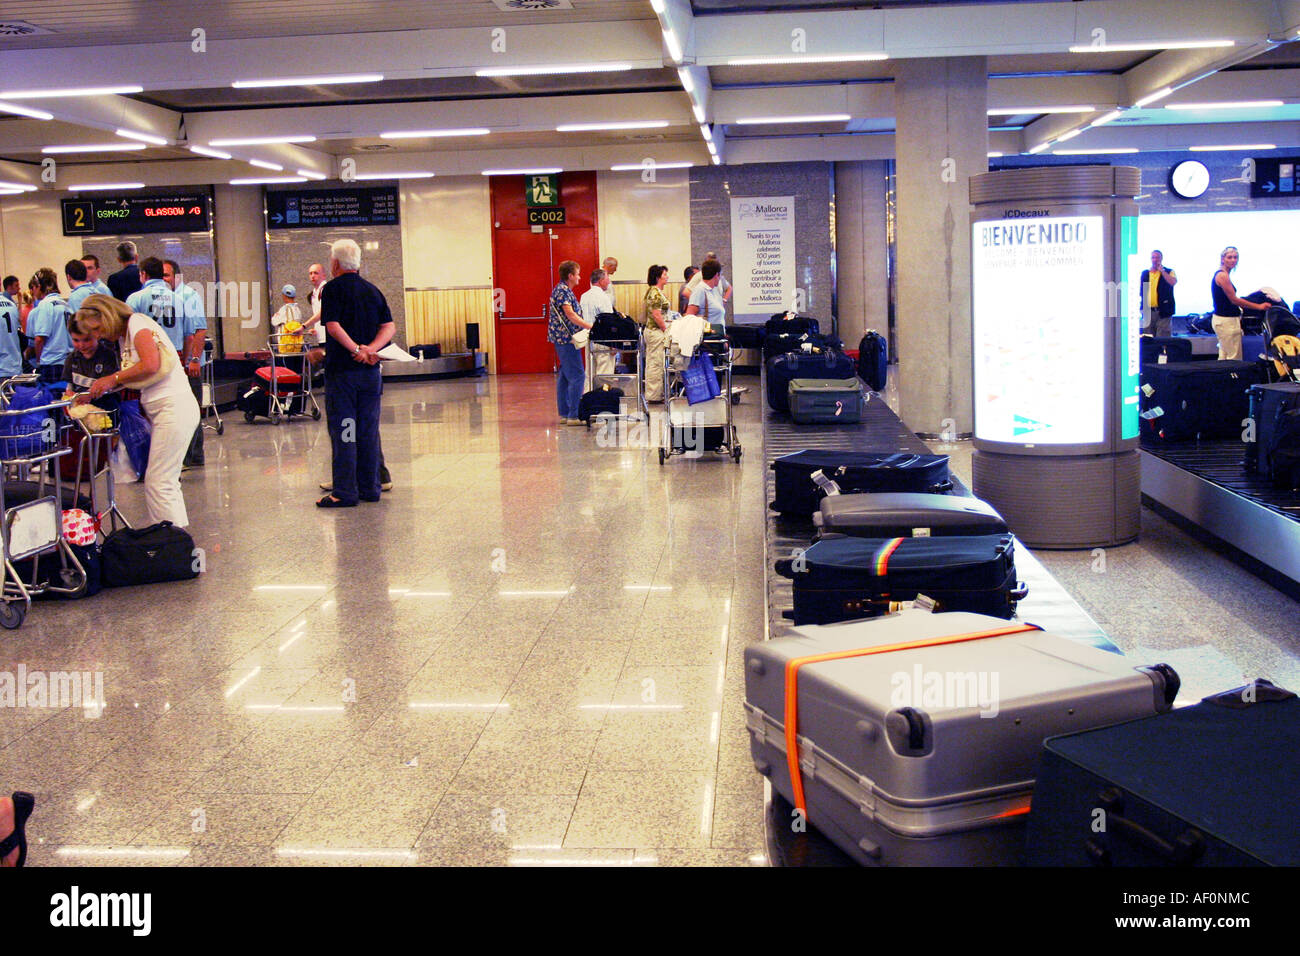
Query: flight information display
x,y
127,215
1039,315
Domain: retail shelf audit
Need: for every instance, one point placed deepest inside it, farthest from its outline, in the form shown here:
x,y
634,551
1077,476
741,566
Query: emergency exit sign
x,y
542,190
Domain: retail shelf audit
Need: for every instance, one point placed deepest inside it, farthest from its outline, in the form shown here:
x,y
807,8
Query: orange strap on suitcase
x,y
792,688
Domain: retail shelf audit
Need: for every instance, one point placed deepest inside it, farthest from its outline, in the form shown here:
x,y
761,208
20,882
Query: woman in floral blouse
x,y
655,320
564,319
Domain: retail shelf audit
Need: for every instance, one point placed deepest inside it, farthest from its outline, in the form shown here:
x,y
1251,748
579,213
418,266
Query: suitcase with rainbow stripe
x,y
837,579
916,736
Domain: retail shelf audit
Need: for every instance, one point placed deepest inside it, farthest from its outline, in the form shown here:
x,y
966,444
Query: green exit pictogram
x,y
542,190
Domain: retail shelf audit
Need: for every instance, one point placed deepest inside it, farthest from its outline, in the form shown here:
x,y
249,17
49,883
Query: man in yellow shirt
x,y
1158,296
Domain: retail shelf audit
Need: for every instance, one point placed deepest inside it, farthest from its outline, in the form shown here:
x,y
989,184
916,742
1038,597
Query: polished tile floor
x,y
529,653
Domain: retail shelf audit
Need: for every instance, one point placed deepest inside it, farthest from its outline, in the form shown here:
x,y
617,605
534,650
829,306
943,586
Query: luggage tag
x,y
920,532
1153,413
1148,390
1162,359
828,486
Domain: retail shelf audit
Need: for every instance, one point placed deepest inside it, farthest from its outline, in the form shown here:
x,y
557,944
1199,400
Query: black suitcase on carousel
x,y
788,323
1173,348
1208,786
907,516
785,368
873,360
1275,409
839,579
856,472
779,343
746,336
826,401
1183,401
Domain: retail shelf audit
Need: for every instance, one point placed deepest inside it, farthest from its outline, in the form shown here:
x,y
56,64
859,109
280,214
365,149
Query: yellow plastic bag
x,y
291,338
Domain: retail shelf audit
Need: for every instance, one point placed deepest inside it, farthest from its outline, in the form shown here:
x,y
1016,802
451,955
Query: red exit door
x,y
524,264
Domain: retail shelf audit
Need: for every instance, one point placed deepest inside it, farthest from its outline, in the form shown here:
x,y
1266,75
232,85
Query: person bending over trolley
x,y
1228,306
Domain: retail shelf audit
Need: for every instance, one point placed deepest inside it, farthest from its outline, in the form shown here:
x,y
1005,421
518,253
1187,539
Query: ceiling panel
x,y
539,139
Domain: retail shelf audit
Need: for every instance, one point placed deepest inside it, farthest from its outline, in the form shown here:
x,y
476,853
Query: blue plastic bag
x,y
24,433
136,433
700,380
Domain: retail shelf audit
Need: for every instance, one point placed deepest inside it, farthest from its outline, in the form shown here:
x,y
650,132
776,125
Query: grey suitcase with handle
x,y
907,516
918,739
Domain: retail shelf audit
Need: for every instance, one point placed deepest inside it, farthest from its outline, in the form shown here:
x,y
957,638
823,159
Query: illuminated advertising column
x,y
1055,349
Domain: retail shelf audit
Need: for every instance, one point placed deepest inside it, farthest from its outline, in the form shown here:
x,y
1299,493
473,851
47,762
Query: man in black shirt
x,y
357,324
127,280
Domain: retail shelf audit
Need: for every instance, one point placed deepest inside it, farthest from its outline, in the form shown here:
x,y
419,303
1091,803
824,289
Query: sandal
x,y
329,501
23,803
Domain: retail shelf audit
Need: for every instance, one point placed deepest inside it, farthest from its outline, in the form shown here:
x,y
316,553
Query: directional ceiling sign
x,y
1276,176
305,208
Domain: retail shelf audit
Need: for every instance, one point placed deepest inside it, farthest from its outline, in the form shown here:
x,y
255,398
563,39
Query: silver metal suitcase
x,y
907,516
918,734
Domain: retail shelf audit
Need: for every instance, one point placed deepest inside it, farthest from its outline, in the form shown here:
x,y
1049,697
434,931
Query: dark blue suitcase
x,y
779,324
1173,348
1206,400
746,336
785,368
856,472
599,401
826,401
778,343
873,360
1211,785
839,579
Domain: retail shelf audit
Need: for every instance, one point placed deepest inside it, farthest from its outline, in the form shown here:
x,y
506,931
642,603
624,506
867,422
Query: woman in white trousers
x,y
150,364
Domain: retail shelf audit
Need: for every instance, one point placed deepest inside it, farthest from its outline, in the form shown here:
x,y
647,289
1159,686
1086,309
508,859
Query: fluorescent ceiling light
x,y
1240,105
1021,110
22,187
823,118
268,179
1152,97
214,153
88,186
1070,135
415,174
706,132
592,127
637,167
818,58
1098,151
262,140
657,6
263,164
684,75
1039,148
717,161
25,111
994,155
674,48
1102,121
308,174
1151,45
142,137
94,148
1228,149
11,192
562,68
698,112
432,133
523,172
70,91
308,80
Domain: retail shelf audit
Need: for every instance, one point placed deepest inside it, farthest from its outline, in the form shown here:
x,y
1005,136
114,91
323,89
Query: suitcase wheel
x,y
249,417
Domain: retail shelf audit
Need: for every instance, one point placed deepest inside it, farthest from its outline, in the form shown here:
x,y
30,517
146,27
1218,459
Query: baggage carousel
x,y
1047,604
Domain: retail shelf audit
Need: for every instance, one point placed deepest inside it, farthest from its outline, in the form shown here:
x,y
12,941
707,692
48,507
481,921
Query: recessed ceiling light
x,y
11,192
674,48
21,187
432,133
1241,105
94,148
1023,110
1039,148
637,167
994,155
824,118
308,80
561,68
142,137
70,91
523,172
417,174
698,112
1151,45
25,111
263,164
1152,97
592,127
1232,148
213,153
309,174
1069,135
1102,121
268,179
262,140
819,58
86,187
1098,151
684,75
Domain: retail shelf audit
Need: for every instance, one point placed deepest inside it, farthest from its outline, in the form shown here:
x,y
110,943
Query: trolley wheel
x,y
662,456
250,417
735,398
736,451
274,415
315,413
221,428
12,614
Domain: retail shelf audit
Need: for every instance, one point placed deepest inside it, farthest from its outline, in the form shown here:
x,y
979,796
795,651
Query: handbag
x,y
160,552
700,380
580,338
167,361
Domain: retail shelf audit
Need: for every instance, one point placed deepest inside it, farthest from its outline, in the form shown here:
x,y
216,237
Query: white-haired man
x,y
358,324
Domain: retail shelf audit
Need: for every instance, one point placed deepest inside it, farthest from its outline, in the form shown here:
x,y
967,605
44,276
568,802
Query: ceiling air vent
x,y
378,148
16,29
511,6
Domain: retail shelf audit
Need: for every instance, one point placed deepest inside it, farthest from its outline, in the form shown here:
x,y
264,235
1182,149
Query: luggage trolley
x,y
705,426
32,528
96,447
209,391
285,381
622,334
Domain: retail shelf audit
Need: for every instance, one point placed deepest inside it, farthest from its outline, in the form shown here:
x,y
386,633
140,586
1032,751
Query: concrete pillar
x,y
941,141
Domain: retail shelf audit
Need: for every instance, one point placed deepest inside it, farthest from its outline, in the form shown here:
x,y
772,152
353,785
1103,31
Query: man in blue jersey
x,y
11,349
92,274
156,299
47,328
12,289
194,334
79,287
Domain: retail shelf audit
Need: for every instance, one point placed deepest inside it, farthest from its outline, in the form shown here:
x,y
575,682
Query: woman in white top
x,y
167,402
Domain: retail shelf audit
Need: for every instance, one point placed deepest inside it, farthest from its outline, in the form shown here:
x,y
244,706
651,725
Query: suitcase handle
x,y
943,487
1019,592
1184,850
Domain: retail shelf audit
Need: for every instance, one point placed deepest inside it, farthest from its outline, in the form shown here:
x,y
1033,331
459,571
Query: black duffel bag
x,y
160,552
615,328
